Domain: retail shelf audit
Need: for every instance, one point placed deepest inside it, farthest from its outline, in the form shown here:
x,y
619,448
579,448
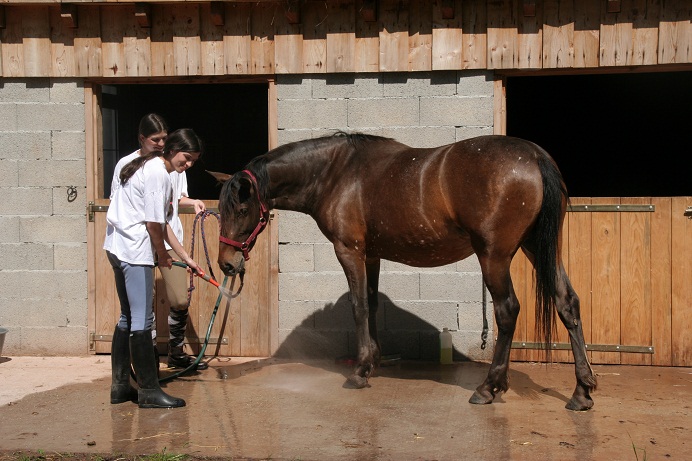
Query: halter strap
x,y
247,245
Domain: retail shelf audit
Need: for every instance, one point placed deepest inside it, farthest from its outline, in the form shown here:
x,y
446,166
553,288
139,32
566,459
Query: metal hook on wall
x,y
71,193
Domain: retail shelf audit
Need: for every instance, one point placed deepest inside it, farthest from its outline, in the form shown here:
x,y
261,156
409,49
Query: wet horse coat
x,y
375,198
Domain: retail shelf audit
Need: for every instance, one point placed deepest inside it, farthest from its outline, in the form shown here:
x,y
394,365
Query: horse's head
x,y
243,216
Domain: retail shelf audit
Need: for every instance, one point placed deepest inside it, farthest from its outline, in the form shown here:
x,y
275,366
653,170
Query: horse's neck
x,y
294,186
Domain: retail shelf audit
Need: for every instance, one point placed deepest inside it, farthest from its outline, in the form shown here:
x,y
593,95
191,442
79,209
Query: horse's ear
x,y
220,177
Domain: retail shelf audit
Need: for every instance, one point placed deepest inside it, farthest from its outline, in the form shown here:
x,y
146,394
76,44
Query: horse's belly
x,y
421,251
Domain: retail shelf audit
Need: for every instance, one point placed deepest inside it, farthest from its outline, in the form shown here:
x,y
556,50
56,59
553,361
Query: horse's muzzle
x,y
229,269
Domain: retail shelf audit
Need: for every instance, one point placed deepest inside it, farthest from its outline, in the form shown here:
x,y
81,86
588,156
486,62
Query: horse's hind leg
x,y
506,307
567,304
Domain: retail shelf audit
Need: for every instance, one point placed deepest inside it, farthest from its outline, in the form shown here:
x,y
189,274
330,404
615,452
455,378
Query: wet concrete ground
x,y
281,410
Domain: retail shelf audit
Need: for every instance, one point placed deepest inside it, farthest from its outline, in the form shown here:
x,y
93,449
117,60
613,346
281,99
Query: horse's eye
x,y
241,213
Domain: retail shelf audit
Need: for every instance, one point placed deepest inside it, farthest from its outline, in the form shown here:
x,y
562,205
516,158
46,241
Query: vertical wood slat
x,y
162,53
530,39
211,46
580,264
87,42
558,34
661,291
561,334
112,48
36,41
62,58
675,32
681,237
606,280
586,33
314,39
645,22
137,45
474,38
502,34
288,44
420,36
635,280
616,36
262,40
185,23
236,38
447,37
12,53
341,38
394,40
519,271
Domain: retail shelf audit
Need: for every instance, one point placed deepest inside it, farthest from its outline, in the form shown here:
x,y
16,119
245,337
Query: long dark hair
x,y
152,124
182,140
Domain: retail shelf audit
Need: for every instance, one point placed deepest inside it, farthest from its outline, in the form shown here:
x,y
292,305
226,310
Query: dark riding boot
x,y
121,389
177,358
150,394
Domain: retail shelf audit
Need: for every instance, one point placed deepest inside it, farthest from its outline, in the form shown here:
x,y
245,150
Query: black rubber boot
x,y
150,394
177,358
121,389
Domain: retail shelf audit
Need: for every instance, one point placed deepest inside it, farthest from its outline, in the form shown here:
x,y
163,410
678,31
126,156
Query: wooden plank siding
x,y
631,271
268,37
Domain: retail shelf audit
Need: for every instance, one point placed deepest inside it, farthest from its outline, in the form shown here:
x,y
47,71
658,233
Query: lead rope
x,y
201,217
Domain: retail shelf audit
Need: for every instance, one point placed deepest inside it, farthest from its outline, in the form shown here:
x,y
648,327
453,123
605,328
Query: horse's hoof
x,y
359,382
479,399
576,404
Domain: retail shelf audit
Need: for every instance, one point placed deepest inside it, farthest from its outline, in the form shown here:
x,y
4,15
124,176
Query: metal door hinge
x,y
688,212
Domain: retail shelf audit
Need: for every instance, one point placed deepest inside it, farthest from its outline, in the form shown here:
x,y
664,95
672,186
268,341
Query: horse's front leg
x,y
506,308
353,263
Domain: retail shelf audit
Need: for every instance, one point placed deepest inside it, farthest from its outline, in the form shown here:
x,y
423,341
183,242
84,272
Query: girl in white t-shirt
x,y
137,228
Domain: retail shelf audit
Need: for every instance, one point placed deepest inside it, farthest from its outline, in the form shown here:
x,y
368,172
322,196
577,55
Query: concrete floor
x,y
282,410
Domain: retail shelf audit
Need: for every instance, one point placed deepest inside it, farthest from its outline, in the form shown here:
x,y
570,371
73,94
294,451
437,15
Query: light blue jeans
x,y
135,286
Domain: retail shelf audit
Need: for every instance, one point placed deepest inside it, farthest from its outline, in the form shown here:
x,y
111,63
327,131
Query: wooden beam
x,y
447,9
68,14
218,13
143,14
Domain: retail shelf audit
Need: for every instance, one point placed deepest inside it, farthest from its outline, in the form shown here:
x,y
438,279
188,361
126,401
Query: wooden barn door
x,y
244,326
630,262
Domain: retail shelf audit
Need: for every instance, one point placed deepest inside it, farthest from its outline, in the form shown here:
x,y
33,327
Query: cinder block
x,y
25,201
42,312
293,87
297,227
400,285
68,145
9,229
294,257
63,206
391,266
468,344
50,173
46,284
66,91
289,136
9,176
382,112
469,264
346,86
313,113
57,229
421,136
471,316
294,314
417,84
475,83
8,119
38,117
325,258
24,90
405,343
468,132
456,111
54,342
70,256
420,315
336,316
312,286
26,256
25,145
460,287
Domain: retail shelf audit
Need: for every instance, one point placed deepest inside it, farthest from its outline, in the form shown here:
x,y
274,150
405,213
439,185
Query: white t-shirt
x,y
115,183
145,197
179,183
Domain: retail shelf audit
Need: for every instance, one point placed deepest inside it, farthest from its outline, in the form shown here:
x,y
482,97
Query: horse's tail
x,y
546,236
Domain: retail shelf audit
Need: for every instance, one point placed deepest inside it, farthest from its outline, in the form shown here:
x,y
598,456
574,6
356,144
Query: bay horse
x,y
375,198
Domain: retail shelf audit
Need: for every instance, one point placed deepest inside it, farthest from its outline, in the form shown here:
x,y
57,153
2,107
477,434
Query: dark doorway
x,y
231,119
619,135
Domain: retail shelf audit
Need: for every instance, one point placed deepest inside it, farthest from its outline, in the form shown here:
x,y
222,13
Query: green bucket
x,y
3,331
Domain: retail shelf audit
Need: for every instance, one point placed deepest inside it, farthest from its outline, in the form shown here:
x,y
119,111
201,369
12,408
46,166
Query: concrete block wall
x,y
43,276
421,110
